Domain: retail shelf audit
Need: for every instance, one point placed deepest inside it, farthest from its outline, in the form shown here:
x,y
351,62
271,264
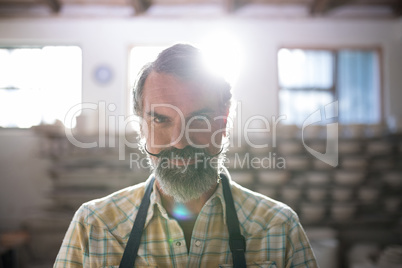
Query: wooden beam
x,y
324,6
55,5
319,6
141,6
397,9
233,5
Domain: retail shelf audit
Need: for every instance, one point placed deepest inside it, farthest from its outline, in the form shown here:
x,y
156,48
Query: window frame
x,y
41,45
335,49
129,104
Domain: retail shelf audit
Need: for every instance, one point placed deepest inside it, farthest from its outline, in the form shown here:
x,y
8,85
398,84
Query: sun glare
x,y
223,55
38,85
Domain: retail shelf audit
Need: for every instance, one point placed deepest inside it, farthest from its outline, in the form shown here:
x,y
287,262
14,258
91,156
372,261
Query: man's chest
x,y
163,244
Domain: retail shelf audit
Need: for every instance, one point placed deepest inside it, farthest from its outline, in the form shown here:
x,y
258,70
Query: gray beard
x,y
187,182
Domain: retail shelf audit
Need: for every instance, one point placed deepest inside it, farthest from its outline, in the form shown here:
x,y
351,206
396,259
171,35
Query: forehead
x,y
162,91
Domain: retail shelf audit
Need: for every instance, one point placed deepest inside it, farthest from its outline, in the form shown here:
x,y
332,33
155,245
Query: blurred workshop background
x,y
318,89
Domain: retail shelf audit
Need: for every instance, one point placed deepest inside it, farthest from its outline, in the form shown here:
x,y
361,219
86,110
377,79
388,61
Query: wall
x,y
24,179
107,41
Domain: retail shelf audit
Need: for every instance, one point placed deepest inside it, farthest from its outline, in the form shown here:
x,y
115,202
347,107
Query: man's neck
x,y
185,214
193,207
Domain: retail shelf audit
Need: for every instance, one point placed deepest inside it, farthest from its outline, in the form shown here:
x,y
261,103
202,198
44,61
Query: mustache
x,y
186,152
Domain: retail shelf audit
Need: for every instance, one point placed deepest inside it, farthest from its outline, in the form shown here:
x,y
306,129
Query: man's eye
x,y
199,121
158,119
203,118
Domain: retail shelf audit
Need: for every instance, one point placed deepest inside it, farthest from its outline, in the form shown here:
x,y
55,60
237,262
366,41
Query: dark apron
x,y
237,243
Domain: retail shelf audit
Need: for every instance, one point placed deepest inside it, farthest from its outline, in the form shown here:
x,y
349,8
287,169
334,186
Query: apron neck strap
x,y
131,250
237,242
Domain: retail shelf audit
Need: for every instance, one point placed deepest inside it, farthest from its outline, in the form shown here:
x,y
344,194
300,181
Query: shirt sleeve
x,y
74,248
299,252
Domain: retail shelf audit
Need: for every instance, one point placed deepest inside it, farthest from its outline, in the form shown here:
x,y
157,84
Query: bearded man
x,y
188,213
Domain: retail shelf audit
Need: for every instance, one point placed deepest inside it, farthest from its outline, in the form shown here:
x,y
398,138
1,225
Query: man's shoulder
x,y
259,210
113,210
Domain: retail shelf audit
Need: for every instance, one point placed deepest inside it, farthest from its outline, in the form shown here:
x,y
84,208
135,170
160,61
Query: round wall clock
x,y
103,74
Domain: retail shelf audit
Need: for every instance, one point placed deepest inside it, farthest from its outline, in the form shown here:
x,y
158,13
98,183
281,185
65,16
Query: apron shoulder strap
x,y
237,242
131,250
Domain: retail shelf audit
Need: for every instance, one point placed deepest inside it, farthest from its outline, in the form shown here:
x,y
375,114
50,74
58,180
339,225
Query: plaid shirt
x,y
100,229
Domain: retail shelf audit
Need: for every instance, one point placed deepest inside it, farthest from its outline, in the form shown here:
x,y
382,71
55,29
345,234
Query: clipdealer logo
x,y
327,114
330,111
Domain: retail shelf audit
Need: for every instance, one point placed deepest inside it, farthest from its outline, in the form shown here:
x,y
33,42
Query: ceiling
x,y
165,8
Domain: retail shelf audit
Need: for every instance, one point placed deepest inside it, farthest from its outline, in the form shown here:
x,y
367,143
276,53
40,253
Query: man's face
x,y
182,121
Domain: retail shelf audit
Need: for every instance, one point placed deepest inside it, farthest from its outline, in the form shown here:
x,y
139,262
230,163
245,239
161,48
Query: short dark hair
x,y
184,62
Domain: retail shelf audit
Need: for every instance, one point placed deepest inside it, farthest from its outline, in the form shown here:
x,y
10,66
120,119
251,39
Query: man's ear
x,y
225,123
143,127
140,121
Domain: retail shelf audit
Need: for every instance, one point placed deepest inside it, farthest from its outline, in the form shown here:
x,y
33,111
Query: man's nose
x,y
178,136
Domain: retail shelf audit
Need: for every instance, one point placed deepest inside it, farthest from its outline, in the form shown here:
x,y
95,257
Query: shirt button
x,y
197,243
178,244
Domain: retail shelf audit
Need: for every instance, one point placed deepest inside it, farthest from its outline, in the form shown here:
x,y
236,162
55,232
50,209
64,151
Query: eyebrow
x,y
195,113
155,114
201,111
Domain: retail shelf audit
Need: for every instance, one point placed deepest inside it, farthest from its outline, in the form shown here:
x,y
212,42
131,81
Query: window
x,y
139,56
310,79
38,85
